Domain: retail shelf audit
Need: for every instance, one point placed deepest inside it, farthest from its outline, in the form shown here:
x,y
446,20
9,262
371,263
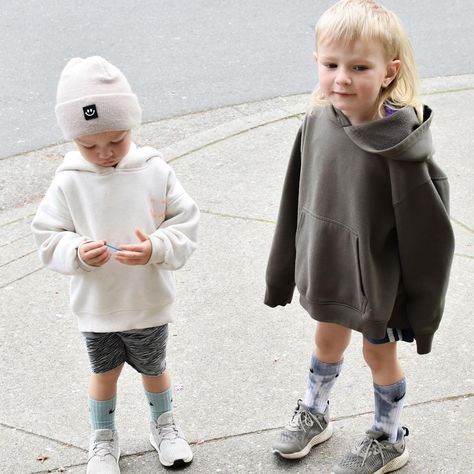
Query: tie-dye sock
x,y
389,400
321,379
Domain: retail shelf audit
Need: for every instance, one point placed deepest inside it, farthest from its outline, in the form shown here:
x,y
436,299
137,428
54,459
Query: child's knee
x,y
331,341
378,356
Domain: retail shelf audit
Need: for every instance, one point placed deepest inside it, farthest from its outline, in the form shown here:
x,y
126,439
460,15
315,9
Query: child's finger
x,y
92,245
102,259
128,255
95,252
132,248
141,236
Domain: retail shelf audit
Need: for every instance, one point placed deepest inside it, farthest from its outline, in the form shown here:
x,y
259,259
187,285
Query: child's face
x,y
352,75
106,148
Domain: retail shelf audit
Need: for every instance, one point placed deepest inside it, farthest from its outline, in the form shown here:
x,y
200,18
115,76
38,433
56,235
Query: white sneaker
x,y
167,439
104,452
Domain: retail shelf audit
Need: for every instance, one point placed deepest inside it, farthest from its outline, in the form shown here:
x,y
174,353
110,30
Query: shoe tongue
x,y
165,418
377,435
103,435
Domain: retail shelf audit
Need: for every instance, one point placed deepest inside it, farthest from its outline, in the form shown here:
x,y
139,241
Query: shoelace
x,y
302,419
102,448
168,431
372,446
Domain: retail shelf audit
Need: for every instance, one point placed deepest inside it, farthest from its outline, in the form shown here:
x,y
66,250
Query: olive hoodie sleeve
x,y
426,247
280,274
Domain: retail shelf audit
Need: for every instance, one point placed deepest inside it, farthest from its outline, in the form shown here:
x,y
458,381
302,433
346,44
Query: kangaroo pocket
x,y
327,267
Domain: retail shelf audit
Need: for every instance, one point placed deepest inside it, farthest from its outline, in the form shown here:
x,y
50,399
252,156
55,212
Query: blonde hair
x,y
349,20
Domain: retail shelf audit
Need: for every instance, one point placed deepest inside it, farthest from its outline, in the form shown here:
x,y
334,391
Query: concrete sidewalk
x,y
238,367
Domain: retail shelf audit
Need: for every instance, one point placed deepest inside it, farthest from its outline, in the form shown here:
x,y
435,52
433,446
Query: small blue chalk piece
x,y
112,247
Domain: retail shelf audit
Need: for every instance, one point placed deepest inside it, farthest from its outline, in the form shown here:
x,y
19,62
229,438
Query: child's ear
x,y
392,70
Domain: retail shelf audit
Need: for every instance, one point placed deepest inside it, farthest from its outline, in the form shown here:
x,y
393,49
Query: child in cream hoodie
x,y
118,221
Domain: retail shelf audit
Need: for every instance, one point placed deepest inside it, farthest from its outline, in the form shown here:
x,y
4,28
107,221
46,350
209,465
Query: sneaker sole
x,y
318,439
178,462
393,465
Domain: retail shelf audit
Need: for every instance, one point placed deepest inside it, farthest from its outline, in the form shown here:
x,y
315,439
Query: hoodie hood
x,y
135,158
399,137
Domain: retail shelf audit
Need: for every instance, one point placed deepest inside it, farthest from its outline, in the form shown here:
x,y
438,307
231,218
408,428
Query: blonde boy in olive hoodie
x,y
363,230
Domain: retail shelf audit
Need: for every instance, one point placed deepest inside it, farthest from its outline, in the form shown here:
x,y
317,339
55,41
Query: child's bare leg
x,y
104,386
331,340
389,387
383,362
158,383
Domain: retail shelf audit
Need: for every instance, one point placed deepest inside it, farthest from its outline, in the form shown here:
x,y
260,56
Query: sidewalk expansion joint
x,y
5,224
18,258
238,132
233,216
463,255
15,240
449,91
41,436
464,226
21,277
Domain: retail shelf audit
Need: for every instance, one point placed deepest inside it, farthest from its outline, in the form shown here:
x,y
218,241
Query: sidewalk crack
x,y
37,435
20,278
464,226
234,216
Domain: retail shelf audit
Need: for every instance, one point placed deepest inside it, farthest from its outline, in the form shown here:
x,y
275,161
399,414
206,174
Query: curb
x,y
198,141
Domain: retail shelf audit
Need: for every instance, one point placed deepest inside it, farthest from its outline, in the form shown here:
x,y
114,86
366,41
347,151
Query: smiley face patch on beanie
x,y
90,112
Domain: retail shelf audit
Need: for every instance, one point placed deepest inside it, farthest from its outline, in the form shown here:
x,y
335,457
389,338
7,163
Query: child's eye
x,y
360,68
116,142
89,147
331,65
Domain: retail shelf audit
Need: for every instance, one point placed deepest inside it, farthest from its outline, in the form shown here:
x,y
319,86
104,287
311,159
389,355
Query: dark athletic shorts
x,y
392,335
143,349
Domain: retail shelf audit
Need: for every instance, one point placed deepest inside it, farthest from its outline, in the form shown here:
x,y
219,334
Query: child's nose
x,y
105,153
343,77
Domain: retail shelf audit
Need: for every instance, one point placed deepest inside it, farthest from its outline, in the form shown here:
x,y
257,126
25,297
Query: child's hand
x,y
95,253
135,254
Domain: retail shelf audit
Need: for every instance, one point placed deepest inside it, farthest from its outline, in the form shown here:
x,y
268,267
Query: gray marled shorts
x,y
143,349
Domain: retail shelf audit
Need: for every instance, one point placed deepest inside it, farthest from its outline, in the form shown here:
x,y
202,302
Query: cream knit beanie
x,y
93,96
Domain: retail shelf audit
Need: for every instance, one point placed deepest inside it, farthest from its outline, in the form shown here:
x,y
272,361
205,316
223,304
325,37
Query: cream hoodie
x,y
88,202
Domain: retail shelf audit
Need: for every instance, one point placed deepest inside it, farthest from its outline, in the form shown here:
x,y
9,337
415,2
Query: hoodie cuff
x,y
278,296
158,250
423,343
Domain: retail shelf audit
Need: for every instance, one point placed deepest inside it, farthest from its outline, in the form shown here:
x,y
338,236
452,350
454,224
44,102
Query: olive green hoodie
x,y
363,229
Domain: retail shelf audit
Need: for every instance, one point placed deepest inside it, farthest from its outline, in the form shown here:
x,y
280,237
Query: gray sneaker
x,y
104,452
304,430
167,439
375,455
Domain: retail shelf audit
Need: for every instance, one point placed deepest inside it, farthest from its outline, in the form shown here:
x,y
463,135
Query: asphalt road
x,y
183,57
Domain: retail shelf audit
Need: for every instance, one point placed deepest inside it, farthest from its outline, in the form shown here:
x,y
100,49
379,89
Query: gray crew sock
x,y
389,400
321,379
102,414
